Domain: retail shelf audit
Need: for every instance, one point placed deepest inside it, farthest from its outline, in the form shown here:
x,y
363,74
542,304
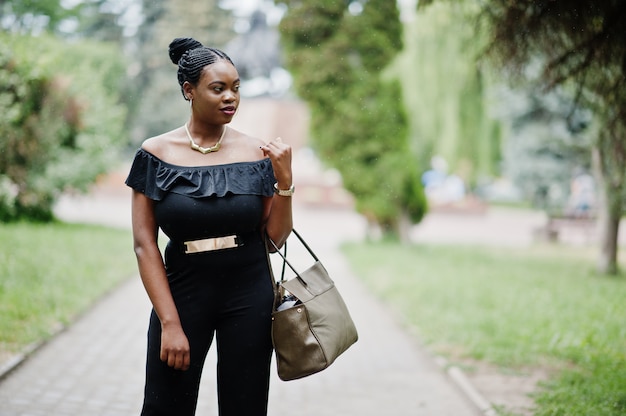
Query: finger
x,y
186,361
171,360
277,142
178,363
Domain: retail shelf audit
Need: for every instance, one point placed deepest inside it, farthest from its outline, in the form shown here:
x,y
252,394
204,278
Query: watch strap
x,y
284,192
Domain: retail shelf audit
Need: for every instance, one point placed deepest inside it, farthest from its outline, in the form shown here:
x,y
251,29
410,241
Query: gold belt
x,y
210,244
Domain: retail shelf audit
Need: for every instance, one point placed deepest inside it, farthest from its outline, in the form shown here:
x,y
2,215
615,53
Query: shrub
x,y
61,124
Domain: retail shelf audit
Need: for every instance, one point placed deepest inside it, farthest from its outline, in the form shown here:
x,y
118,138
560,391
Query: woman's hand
x,y
280,155
175,347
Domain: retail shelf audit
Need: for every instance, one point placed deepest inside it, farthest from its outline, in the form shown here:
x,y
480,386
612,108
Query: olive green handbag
x,y
311,325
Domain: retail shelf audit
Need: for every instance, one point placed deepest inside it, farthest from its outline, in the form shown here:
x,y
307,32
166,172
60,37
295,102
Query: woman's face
x,y
216,97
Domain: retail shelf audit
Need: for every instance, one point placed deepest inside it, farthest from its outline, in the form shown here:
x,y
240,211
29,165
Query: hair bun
x,y
181,45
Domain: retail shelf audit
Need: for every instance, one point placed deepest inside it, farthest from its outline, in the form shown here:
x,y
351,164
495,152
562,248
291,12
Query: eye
x,y
218,89
236,88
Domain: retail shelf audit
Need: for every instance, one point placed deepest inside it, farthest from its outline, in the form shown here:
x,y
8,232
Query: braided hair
x,y
191,57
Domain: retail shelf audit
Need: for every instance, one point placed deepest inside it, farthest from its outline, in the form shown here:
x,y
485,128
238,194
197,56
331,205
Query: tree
x,y
61,124
93,19
579,45
547,147
337,51
100,20
27,17
448,92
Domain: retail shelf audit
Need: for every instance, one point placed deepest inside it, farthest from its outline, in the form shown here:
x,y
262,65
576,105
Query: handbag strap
x,y
284,256
305,245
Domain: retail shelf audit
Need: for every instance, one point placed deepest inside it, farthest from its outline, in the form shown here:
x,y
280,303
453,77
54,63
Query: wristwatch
x,y
284,192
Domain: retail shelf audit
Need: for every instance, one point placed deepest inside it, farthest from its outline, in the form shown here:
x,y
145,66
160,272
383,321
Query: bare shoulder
x,y
161,144
246,139
248,145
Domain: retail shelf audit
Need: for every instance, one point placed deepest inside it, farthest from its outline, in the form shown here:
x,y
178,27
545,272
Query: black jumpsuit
x,y
227,292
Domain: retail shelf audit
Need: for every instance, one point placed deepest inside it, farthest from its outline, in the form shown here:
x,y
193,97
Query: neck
x,y
208,136
205,150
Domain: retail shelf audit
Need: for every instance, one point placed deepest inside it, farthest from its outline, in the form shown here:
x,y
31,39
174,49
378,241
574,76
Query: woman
x,y
215,192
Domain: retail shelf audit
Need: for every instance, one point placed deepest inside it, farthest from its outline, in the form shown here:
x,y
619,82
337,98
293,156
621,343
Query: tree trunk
x,y
404,227
609,227
609,215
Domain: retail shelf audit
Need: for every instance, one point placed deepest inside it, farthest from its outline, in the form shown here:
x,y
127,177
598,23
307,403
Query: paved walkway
x,y
95,367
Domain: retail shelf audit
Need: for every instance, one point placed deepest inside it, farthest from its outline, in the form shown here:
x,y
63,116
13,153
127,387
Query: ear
x,y
188,89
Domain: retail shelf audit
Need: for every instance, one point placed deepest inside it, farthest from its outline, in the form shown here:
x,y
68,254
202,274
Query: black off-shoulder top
x,y
203,201
155,178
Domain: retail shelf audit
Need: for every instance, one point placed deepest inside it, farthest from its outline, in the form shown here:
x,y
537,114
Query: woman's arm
x,y
279,219
174,343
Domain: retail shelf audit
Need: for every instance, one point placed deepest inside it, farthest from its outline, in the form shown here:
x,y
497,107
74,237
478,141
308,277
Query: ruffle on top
x,y
155,178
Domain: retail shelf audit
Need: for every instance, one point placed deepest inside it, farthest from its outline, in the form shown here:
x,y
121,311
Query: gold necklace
x,y
205,150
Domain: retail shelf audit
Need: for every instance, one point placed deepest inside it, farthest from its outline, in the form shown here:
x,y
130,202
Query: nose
x,y
230,97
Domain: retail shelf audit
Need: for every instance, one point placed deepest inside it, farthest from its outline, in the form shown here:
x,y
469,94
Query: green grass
x,y
542,306
50,273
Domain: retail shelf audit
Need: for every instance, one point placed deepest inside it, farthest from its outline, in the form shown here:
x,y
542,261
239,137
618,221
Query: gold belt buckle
x,y
211,244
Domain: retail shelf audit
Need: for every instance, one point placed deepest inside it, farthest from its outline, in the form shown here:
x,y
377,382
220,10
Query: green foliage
x,y
92,19
51,273
370,150
60,121
358,120
317,51
376,34
311,23
540,306
447,91
35,16
100,20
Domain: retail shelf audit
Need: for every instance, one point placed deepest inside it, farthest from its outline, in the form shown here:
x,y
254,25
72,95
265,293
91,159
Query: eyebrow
x,y
223,83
